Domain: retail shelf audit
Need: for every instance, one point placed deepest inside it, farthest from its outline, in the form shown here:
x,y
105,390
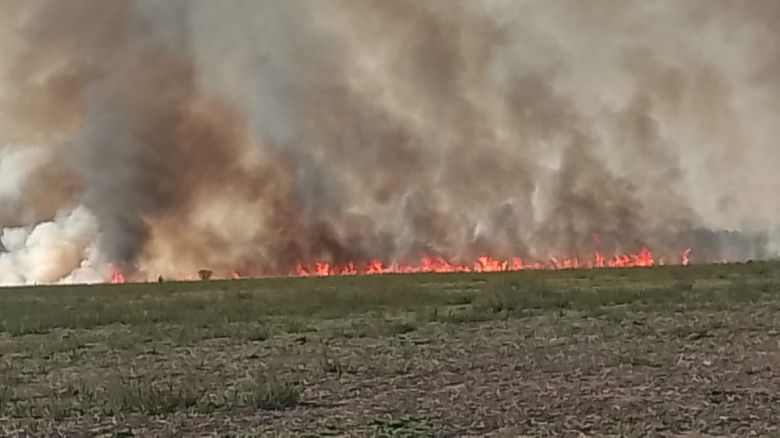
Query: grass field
x,y
626,352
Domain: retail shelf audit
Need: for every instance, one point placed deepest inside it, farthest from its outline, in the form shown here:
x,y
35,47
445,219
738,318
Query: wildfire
x,y
117,277
686,257
641,259
485,263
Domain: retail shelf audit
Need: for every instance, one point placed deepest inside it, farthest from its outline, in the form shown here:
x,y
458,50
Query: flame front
x,y
485,263
643,258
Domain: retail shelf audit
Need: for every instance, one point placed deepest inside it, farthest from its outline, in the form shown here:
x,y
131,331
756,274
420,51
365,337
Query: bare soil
x,y
707,365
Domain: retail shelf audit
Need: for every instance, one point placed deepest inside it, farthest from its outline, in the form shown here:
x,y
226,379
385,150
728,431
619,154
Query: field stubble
x,y
625,352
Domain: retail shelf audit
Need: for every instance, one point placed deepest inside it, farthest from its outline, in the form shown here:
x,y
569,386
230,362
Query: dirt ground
x,y
698,355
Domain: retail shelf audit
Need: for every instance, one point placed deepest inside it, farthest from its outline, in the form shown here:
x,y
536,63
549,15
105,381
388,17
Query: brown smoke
x,y
246,135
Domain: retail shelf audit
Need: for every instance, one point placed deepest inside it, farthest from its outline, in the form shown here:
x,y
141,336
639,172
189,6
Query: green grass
x,y
272,394
95,351
209,304
151,398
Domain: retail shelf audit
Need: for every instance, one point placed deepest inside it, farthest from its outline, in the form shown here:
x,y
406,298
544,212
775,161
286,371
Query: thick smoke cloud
x,y
165,137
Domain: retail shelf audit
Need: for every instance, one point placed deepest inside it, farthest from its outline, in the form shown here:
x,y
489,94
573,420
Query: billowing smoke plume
x,y
168,136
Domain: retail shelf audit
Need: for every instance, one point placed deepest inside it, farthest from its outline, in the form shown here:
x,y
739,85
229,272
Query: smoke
x,y
246,135
60,250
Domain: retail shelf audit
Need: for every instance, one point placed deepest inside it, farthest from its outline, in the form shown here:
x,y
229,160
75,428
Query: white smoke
x,y
17,162
59,250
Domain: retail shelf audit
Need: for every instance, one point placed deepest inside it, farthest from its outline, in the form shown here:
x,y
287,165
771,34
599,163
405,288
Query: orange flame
x,y
117,277
485,263
686,257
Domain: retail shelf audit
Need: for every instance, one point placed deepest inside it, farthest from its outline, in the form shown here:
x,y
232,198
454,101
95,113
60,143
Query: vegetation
x,y
630,351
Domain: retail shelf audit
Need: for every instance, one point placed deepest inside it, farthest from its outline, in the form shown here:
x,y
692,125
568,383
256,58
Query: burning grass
x,y
361,354
643,258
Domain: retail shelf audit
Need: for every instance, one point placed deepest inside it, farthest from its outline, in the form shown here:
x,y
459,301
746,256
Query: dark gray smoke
x,y
248,135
